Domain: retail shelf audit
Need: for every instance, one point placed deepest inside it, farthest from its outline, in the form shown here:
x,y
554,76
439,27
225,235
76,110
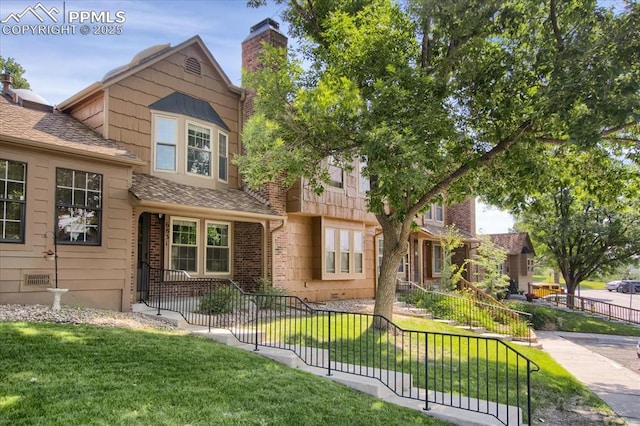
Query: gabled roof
x,y
514,242
144,59
179,103
57,131
152,190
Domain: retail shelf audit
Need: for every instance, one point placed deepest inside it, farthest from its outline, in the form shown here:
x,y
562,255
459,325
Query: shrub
x,y
219,301
267,296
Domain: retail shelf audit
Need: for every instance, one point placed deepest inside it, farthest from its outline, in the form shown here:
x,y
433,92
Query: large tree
x,y
430,92
585,213
15,69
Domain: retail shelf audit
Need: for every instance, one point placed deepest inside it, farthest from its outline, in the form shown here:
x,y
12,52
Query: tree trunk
x,y
394,250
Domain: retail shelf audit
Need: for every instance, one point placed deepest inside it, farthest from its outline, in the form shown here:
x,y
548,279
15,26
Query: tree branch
x,y
465,168
554,24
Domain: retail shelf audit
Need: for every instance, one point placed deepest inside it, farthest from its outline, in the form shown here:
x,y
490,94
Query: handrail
x,y
487,298
595,307
494,318
475,373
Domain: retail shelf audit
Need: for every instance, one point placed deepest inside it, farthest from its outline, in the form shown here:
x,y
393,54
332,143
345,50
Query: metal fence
x,y
474,373
595,307
468,312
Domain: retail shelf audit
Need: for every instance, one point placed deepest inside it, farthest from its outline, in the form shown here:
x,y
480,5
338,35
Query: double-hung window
x,y
345,251
13,182
223,157
198,150
437,259
330,250
217,250
166,133
184,245
336,174
435,213
78,207
358,252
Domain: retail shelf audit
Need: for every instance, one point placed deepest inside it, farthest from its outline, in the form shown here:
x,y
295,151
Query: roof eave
x,y
164,206
51,147
80,96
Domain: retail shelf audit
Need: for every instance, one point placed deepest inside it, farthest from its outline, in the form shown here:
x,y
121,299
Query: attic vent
x,y
192,65
36,279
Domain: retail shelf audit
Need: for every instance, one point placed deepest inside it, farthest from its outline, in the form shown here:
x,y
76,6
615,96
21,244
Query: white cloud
x,y
491,220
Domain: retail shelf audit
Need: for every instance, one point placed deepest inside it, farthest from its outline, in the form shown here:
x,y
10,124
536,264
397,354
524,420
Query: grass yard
x,y
587,285
58,374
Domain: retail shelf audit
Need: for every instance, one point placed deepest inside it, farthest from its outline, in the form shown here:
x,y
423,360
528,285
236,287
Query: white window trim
x,y
212,157
338,274
230,247
433,261
226,135
182,145
430,215
331,163
154,139
362,179
198,240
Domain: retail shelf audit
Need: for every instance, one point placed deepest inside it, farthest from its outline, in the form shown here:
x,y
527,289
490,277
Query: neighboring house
x,y
520,253
136,170
424,263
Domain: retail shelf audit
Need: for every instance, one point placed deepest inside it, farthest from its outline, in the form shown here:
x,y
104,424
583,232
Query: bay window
x,y
198,150
166,134
223,157
343,253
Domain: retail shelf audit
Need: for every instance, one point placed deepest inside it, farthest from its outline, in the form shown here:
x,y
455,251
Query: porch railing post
x,y
255,348
329,350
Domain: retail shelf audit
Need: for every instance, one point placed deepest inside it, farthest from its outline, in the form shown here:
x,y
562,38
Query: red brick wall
x,y
247,254
463,215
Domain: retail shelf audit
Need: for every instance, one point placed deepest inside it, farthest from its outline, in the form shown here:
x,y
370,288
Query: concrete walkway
x,y
367,385
616,385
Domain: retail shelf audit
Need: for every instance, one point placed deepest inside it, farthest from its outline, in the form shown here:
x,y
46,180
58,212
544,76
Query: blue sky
x,y
60,65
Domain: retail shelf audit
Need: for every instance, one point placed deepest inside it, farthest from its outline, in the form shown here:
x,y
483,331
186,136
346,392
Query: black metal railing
x,y
480,374
472,313
595,307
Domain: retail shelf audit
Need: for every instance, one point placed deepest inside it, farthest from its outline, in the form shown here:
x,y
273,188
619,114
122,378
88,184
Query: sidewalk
x,y
616,385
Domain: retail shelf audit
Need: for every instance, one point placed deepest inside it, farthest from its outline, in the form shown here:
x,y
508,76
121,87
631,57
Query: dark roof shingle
x,y
55,128
151,188
514,242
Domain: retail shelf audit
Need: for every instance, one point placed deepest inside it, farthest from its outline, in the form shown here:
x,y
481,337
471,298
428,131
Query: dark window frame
x,y
61,234
5,199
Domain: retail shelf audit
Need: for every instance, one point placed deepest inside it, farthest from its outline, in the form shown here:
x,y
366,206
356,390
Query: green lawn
x,y
57,374
591,285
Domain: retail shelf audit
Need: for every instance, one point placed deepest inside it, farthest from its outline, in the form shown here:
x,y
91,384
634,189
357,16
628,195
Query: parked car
x,y
612,285
629,286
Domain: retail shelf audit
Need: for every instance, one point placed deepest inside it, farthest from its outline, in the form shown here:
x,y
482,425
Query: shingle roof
x,y
441,231
179,103
151,188
514,242
55,128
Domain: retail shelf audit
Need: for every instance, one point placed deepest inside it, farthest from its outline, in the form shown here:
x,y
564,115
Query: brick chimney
x,y
268,31
6,82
